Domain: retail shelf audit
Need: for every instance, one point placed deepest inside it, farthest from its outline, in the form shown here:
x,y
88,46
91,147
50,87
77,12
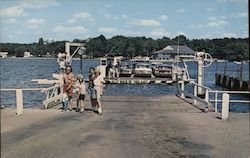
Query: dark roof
x,y
172,49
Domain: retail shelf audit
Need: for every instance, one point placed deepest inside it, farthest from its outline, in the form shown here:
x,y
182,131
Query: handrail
x,y
230,101
233,92
192,82
208,91
50,97
24,89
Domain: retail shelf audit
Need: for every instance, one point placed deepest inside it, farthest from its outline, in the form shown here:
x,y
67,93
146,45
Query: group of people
x,y
94,89
112,71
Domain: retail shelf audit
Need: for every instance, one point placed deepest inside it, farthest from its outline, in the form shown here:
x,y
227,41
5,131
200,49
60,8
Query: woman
x,y
98,84
68,79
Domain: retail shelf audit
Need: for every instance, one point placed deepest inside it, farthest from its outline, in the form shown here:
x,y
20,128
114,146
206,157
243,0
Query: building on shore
x,y
27,55
3,54
171,52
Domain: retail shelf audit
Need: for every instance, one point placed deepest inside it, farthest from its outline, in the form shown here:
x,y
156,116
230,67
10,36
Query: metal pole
x,y
200,75
81,63
195,94
182,90
215,104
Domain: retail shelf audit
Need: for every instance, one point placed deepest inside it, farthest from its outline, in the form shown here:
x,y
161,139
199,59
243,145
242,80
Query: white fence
x,y
207,102
53,94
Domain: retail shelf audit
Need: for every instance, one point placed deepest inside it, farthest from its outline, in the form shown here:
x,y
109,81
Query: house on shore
x,y
3,54
171,52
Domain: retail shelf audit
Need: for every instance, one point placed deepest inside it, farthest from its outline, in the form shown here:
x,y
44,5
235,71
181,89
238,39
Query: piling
x,y
225,106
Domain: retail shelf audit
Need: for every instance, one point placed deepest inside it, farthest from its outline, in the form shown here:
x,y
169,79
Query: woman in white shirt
x,y
98,86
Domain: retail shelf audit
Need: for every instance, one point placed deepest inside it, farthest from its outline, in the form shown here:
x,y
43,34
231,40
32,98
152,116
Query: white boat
x,y
143,69
140,59
237,62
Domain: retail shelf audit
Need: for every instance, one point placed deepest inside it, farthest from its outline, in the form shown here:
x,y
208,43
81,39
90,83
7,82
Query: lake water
x,y
18,73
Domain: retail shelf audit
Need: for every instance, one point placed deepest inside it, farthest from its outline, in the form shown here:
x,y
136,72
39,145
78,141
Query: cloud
x,y
83,16
209,9
107,29
146,22
163,17
196,25
180,11
240,15
10,21
19,33
219,34
39,4
124,16
233,1
71,21
132,33
35,23
159,32
108,6
181,33
218,22
75,29
116,17
13,11
229,35
108,16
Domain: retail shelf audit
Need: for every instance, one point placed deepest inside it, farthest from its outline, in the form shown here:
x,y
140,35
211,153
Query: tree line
x,y
226,48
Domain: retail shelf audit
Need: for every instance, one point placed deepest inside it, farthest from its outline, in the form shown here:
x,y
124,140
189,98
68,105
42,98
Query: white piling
x,y
19,101
182,89
225,106
195,94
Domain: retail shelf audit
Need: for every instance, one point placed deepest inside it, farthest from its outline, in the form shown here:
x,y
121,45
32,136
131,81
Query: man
x,y
98,87
91,88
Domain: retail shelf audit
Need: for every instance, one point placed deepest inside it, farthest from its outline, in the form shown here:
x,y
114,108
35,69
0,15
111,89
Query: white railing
x,y
208,102
194,95
53,94
216,100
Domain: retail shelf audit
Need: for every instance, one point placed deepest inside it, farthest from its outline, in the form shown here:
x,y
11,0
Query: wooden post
x,y
195,94
225,69
225,106
215,104
182,89
19,101
241,70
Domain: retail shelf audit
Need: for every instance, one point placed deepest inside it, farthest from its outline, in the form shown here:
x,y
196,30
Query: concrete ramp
x,y
130,127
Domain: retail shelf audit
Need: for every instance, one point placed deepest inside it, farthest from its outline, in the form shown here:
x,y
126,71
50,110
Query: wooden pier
x,y
142,80
231,83
130,127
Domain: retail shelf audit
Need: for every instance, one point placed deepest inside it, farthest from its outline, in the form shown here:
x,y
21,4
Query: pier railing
x,y
207,101
194,94
216,100
53,94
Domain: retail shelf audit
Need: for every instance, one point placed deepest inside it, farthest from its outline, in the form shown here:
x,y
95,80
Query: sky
x,y
28,20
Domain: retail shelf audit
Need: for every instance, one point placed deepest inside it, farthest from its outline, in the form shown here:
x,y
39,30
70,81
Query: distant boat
x,y
237,62
140,59
221,61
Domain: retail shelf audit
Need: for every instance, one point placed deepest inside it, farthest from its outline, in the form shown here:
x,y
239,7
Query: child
x,y
81,91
